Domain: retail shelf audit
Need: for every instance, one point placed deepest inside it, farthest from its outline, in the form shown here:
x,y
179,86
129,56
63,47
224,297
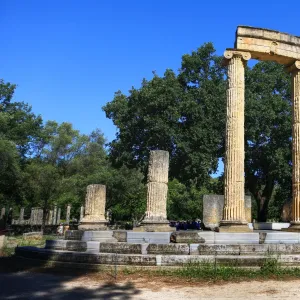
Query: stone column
x,y
234,208
2,213
21,218
81,213
50,217
295,72
157,190
58,215
32,216
68,214
95,199
54,215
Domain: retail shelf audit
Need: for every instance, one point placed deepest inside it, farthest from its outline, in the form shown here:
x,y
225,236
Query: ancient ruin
x,y
94,216
157,191
261,44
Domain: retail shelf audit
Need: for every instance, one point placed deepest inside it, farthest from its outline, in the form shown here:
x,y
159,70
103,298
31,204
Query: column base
x,y
234,226
102,225
154,226
295,227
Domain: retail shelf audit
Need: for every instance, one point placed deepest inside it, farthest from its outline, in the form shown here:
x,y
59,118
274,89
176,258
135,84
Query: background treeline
x,y
184,112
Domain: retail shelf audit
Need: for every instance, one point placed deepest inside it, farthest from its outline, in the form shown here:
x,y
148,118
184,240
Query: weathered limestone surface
x,y
94,217
54,215
234,207
58,216
36,216
157,189
50,217
213,210
68,214
186,237
81,213
265,44
21,218
295,71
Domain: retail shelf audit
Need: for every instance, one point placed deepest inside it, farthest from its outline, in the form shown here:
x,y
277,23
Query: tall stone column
x,y
94,218
68,214
295,72
234,207
157,190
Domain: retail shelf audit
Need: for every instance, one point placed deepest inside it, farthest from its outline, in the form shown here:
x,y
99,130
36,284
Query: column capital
x,y
295,67
230,53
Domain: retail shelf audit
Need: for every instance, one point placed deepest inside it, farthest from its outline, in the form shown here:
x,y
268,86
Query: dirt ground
x,y
33,286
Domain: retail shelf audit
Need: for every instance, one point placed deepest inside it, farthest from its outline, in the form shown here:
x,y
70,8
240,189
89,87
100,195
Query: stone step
x,y
150,259
254,249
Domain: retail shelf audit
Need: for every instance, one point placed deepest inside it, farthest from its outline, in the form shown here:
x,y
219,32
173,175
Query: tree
x,y
178,113
268,131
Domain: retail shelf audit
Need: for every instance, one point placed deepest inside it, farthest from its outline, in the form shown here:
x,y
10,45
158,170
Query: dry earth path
x,y
32,285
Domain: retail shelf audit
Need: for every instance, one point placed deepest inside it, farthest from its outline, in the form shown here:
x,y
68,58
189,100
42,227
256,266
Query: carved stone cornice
x,y
231,53
295,67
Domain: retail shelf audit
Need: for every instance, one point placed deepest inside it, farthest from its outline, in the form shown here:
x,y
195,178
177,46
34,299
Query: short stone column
x,y
58,215
54,215
157,191
94,218
68,214
234,207
50,217
21,217
81,213
295,71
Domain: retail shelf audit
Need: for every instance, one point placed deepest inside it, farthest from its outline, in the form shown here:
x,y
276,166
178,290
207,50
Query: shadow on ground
x,y
22,279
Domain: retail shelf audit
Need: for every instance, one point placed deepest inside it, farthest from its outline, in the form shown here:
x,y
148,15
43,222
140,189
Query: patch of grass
x,y
17,241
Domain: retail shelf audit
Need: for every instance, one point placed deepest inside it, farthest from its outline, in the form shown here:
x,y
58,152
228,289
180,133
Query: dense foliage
x,y
184,112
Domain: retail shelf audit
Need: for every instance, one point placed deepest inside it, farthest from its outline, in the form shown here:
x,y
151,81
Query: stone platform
x,y
155,249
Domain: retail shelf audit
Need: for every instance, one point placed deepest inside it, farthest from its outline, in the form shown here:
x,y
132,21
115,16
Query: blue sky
x,y
69,57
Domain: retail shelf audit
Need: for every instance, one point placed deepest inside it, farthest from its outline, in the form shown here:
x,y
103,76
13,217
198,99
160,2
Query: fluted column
x,y
157,191
295,73
94,216
234,206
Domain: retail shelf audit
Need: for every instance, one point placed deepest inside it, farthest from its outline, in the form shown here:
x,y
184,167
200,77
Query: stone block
x,y
38,235
282,238
178,249
92,246
186,237
208,236
56,244
76,246
101,236
124,248
213,210
236,238
74,235
148,237
120,235
204,249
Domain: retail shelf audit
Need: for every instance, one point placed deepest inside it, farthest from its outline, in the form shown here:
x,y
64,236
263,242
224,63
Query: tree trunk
x,y
262,208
